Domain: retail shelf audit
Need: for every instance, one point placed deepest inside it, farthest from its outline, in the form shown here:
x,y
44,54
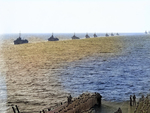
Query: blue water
x,y
3,94
116,77
3,88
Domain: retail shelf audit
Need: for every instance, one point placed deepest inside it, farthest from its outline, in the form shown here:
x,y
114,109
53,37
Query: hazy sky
x,y
46,16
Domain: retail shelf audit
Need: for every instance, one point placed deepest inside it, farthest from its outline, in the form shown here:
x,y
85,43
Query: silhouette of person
x,y
118,111
99,97
130,100
69,99
134,100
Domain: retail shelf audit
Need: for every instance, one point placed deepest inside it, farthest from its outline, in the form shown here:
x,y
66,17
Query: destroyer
x,y
75,37
52,38
87,36
106,34
19,40
112,34
95,35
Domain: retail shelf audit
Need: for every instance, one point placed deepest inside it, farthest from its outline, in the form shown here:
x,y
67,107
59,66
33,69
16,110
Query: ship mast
x,y
20,34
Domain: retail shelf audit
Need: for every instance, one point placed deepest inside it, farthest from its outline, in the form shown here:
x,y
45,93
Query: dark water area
x,y
116,77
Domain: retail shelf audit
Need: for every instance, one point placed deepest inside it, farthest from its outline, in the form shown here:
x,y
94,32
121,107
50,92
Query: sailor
x,y
69,99
118,111
134,100
99,97
130,100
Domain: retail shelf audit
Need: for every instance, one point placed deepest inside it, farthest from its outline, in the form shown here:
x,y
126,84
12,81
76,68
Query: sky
x,y
69,16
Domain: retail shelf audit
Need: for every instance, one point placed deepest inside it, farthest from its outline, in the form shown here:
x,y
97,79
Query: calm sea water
x,y
3,88
115,78
61,36
3,94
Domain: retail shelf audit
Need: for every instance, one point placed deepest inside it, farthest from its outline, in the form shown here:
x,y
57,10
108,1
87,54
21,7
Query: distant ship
x,y
52,38
19,40
95,35
74,37
87,36
112,34
106,34
117,34
145,32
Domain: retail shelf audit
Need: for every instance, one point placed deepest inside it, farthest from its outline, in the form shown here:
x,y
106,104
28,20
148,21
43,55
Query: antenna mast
x,y
20,34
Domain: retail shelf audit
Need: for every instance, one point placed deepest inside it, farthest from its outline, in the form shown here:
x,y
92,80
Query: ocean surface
x,y
115,78
3,88
3,94
61,36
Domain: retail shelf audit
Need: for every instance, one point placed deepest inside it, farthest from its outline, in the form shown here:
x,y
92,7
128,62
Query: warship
x,y
52,38
106,34
19,40
87,36
112,34
75,37
117,34
145,32
95,35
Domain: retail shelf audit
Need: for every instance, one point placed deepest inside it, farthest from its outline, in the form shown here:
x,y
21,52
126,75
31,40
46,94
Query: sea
x,y
61,36
115,78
